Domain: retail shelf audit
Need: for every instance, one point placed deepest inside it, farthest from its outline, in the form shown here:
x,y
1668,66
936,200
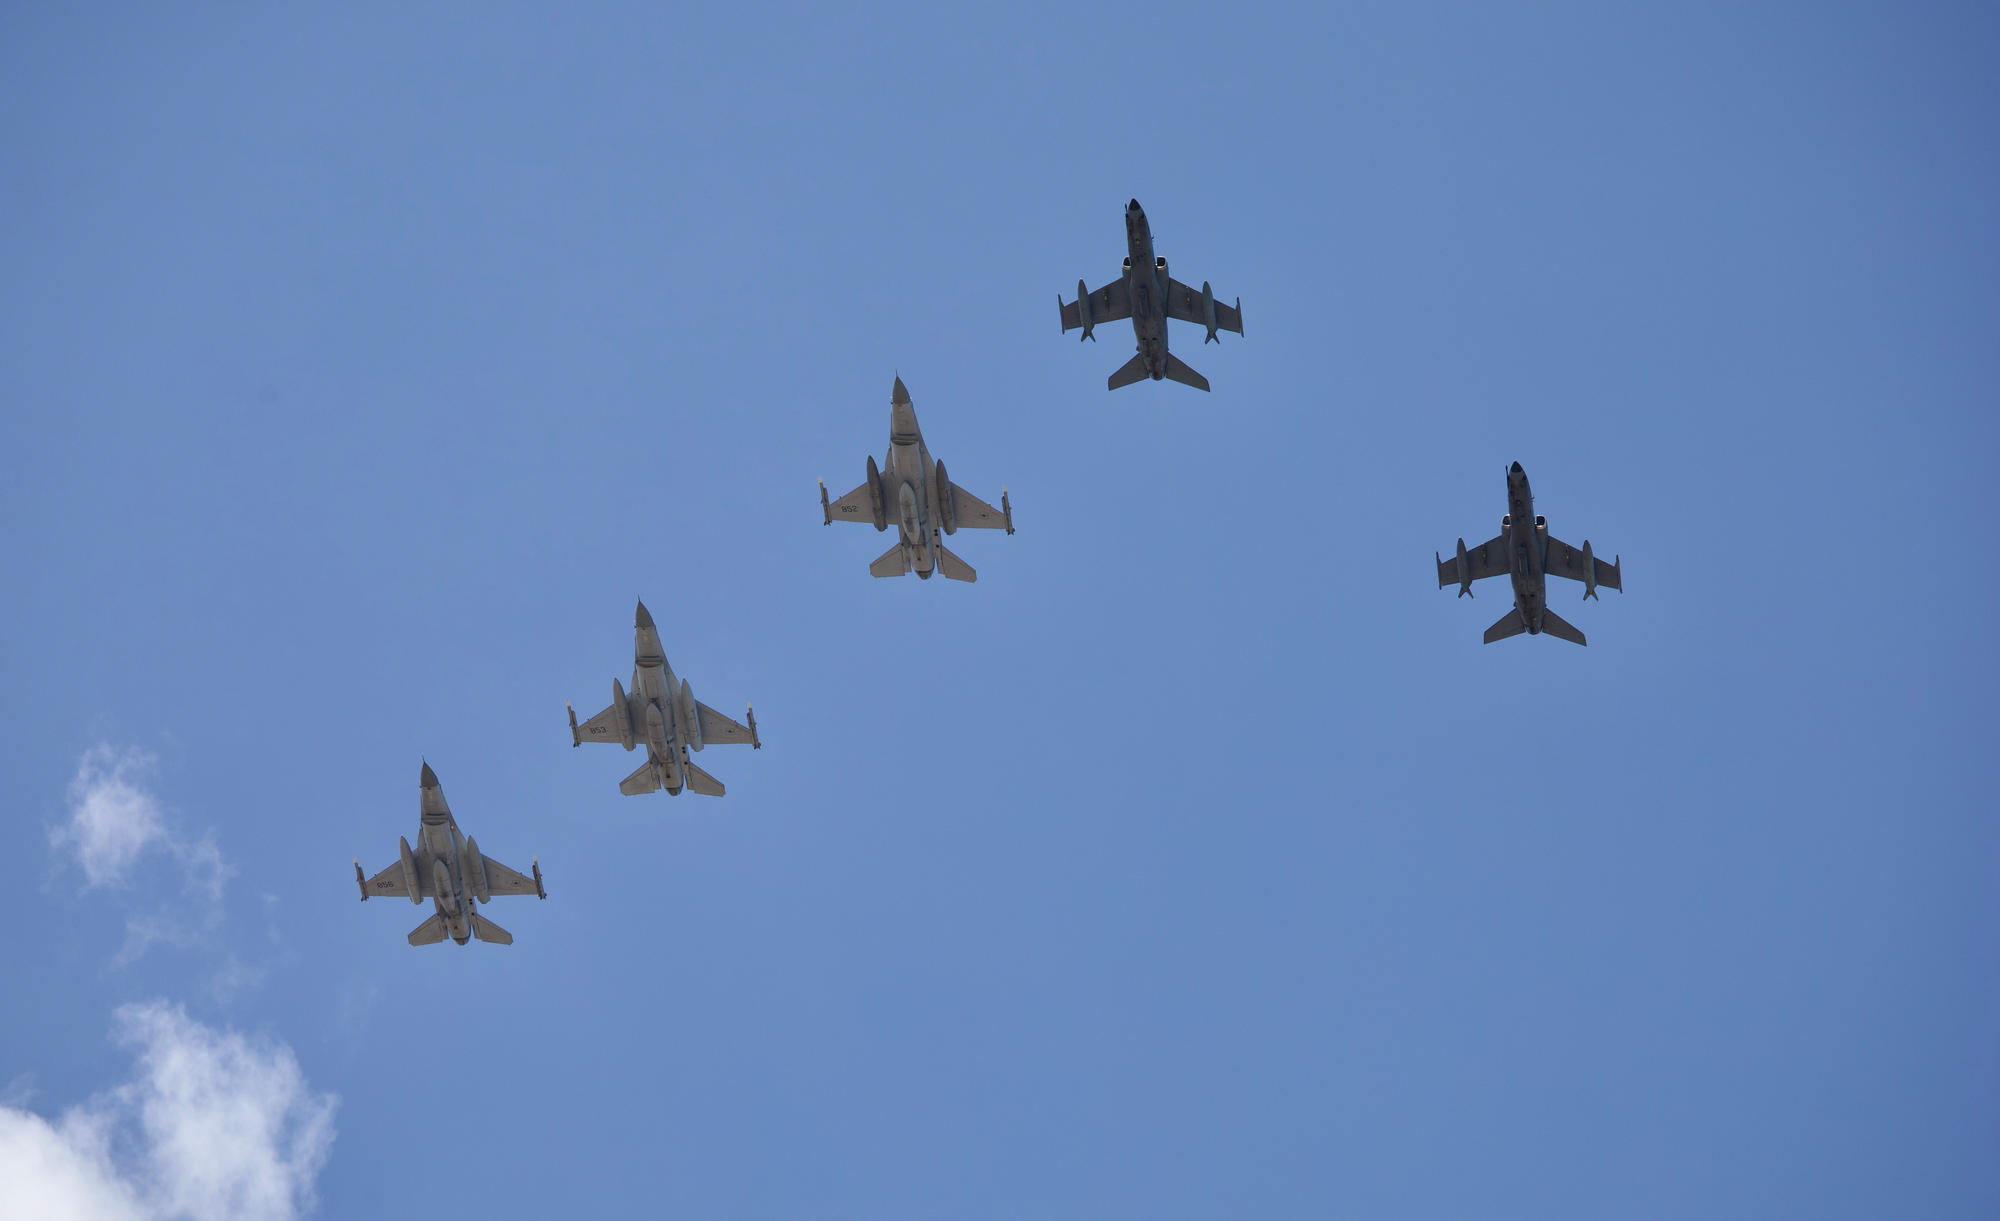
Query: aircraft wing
x,y
501,880
1567,561
975,514
601,728
851,507
1488,559
389,883
1184,303
719,730
1107,304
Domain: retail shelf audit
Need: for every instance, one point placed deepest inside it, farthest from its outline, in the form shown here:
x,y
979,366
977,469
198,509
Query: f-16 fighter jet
x,y
1525,551
663,714
1147,295
915,493
448,869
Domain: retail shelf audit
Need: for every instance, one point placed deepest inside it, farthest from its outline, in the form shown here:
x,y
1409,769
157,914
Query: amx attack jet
x,y
662,713
915,493
1147,295
1525,551
448,869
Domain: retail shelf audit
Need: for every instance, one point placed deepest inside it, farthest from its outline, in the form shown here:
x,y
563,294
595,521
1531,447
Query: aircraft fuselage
x,y
439,855
1146,284
655,708
907,494
1526,550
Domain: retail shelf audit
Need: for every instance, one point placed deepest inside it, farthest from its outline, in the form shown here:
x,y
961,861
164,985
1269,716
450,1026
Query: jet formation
x,y
448,869
911,491
1525,551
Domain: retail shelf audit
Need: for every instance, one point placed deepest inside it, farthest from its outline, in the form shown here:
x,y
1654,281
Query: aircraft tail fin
x,y
699,781
954,568
430,932
486,930
1133,370
1555,625
1177,370
1511,624
645,780
894,562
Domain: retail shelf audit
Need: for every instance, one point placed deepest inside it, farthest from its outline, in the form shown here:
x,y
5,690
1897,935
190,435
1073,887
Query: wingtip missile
x,y
535,863
575,734
750,711
825,505
360,879
1006,510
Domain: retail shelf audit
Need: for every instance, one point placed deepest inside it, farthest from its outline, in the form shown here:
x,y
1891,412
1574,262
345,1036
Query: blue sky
x,y
361,368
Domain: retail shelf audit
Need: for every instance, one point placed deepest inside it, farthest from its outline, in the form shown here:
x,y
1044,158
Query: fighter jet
x,y
1525,551
448,869
662,713
915,492
1147,295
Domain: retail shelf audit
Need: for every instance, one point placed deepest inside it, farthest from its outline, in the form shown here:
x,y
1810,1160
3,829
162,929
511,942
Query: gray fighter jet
x,y
914,492
1525,551
448,869
1147,295
662,713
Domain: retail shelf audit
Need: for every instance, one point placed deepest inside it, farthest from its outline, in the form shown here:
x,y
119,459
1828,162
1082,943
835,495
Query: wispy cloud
x,y
113,822
212,1124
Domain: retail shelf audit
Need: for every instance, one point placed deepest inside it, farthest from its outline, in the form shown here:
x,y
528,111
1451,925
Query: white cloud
x,y
111,819
113,822
213,1124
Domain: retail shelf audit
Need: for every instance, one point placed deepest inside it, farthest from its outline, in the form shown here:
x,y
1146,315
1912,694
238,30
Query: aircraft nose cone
x,y
429,778
1516,470
899,396
642,617
1134,207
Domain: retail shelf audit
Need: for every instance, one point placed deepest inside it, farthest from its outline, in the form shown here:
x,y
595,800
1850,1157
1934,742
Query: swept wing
x,y
501,880
1108,304
1185,304
970,512
717,729
1488,559
389,883
1567,561
852,507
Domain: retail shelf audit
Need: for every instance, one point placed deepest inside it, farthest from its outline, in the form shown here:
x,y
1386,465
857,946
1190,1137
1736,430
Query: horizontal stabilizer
x,y
1511,624
486,930
1177,370
894,562
645,780
1133,370
430,932
699,781
954,568
1556,626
